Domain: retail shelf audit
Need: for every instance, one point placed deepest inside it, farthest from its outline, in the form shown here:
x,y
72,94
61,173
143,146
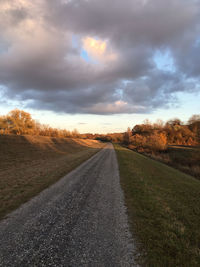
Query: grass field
x,y
29,164
164,210
184,158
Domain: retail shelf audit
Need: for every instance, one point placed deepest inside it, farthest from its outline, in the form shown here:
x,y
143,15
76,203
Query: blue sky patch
x,y
164,61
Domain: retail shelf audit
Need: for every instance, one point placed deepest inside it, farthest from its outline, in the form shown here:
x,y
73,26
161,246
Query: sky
x,y
100,65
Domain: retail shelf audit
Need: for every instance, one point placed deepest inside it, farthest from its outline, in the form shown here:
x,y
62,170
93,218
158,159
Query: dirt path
x,y
79,221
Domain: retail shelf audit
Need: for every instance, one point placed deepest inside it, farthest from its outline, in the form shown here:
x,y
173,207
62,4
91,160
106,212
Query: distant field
x,y
28,164
184,158
164,210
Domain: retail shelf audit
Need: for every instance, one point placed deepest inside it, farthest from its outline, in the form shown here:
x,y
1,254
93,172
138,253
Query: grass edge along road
x,y
29,164
164,210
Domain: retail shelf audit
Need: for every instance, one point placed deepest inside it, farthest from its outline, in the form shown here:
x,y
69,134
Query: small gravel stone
x,y
79,221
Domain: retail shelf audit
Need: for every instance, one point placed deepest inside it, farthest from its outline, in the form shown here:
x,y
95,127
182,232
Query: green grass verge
x,y
164,210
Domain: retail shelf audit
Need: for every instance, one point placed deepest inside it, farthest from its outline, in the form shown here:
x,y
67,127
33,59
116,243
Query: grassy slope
x,y
164,210
186,159
28,164
183,158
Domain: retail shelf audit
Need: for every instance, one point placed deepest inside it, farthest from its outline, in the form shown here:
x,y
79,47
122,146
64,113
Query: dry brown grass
x,y
28,164
183,158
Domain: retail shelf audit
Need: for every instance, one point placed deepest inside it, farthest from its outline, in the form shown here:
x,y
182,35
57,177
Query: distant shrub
x,y
156,142
131,146
138,140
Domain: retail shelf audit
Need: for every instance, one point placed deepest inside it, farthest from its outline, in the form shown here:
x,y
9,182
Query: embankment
x,y
29,164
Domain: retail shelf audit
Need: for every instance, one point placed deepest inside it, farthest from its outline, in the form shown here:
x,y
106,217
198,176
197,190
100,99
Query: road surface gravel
x,y
79,221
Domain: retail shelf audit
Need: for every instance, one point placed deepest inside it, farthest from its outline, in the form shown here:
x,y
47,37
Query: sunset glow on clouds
x,y
98,50
95,47
99,57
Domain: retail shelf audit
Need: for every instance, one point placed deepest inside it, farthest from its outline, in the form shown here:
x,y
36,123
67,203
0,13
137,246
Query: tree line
x,y
158,136
152,136
20,122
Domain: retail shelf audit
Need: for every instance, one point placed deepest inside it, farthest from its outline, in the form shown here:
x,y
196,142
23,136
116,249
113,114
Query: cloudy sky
x,y
100,65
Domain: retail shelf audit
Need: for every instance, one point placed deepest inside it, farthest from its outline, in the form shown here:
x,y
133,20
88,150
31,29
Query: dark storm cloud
x,y
41,64
154,21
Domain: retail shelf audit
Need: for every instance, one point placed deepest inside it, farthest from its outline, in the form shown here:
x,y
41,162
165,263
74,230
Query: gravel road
x,y
79,221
